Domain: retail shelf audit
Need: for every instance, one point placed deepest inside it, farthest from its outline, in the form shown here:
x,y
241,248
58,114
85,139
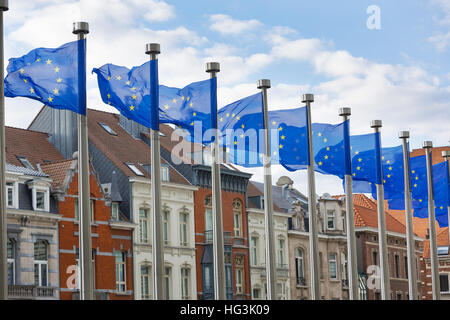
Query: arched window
x,y
254,249
208,218
300,267
184,228
41,263
281,259
166,226
11,248
146,272
237,214
185,282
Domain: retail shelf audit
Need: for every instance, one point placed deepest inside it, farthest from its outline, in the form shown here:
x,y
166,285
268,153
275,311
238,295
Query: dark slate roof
x,y
25,171
115,194
284,203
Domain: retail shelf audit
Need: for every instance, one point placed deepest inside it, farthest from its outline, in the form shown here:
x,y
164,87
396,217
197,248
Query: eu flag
x,y
49,76
129,92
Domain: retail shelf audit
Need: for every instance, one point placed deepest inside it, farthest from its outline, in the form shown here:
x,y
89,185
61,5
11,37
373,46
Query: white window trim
x,y
46,198
333,215
149,275
147,223
124,264
188,277
15,194
335,263
180,223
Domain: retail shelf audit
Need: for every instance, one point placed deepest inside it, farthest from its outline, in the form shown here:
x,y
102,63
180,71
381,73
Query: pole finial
x,y
152,48
212,67
427,144
345,112
4,6
307,97
403,134
263,83
376,124
80,28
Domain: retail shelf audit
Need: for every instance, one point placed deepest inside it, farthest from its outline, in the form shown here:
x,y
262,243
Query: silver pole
x,y
351,236
428,145
3,213
271,268
410,242
313,235
153,49
87,292
446,155
218,244
382,241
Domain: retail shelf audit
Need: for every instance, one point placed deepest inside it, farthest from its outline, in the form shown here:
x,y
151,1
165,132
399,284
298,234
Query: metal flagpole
x,y
271,271
446,155
351,236
3,213
153,49
313,236
410,242
382,238
428,145
85,250
218,244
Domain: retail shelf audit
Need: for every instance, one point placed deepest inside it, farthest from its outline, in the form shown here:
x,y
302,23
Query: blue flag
x,y
50,76
129,92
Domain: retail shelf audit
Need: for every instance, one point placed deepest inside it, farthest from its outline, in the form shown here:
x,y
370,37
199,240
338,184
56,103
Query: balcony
x,y
227,237
24,292
344,283
301,281
282,270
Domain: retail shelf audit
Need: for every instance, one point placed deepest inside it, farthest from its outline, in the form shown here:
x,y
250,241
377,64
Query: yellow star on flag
x,y
131,107
49,61
118,77
21,71
174,100
133,97
55,91
128,82
59,80
31,90
50,99
57,69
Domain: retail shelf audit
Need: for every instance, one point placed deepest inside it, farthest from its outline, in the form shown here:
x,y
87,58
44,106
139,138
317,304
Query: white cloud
x,y
227,25
440,41
445,9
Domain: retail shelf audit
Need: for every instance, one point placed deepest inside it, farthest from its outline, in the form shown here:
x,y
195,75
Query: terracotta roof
x,y
57,172
123,148
436,153
366,215
32,145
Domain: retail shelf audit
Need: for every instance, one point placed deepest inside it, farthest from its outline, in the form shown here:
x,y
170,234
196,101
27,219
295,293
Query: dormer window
x,y
41,198
107,128
134,169
164,173
10,195
115,211
25,162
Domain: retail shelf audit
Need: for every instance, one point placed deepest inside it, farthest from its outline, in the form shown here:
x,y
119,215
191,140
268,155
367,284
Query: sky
x,y
386,60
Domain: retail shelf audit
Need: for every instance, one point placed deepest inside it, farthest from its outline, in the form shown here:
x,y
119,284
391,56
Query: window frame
x,y
134,169
237,218
299,266
144,221
39,265
148,277
11,261
330,263
115,211
166,226
185,282
333,219
11,186
184,228
254,250
120,265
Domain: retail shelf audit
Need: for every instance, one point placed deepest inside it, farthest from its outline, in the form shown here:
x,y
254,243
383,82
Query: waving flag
x,y
128,91
49,76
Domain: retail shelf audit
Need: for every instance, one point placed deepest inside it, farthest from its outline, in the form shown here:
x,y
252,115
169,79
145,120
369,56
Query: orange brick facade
x,y
239,245
105,240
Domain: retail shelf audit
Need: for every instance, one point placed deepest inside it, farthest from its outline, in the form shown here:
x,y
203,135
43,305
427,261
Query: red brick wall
x,y
105,275
228,226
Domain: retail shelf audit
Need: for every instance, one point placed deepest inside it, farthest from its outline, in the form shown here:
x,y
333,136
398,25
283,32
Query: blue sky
x,y
400,73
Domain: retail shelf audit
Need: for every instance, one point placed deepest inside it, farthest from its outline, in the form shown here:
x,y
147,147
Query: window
x,y
300,267
397,265
135,170
208,219
344,268
164,173
77,210
399,296
185,285
143,225
167,276
120,271
25,162
184,229
281,252
374,258
443,279
442,250
239,273
10,194
254,250
333,266
256,293
107,128
145,282
40,200
40,263
406,267
11,249
320,265
92,208
281,291
331,219
237,213
166,227
115,211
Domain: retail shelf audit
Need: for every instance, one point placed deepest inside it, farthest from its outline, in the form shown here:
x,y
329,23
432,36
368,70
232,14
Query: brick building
x,y
111,236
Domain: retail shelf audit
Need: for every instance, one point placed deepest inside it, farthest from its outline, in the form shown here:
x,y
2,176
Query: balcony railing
x,y
301,281
30,292
227,237
345,283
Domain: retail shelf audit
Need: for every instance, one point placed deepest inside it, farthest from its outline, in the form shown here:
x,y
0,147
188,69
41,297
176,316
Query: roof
x,y
25,171
32,145
366,215
436,153
123,148
442,240
58,172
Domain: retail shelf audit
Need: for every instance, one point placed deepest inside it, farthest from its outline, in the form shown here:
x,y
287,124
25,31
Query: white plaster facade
x,y
256,232
176,200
